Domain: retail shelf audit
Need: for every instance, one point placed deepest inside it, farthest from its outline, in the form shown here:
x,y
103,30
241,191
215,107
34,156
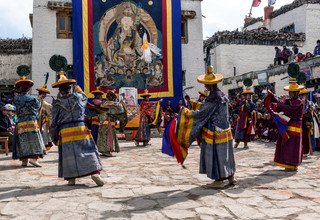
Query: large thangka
x,y
128,44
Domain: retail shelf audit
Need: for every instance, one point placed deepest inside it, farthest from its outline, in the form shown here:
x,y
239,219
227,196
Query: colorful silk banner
x,y
128,43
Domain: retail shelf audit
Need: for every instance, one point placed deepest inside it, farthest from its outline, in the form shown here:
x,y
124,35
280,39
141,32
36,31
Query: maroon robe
x,y
288,153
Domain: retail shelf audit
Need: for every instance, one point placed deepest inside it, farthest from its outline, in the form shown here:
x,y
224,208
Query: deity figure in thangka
x,y
128,37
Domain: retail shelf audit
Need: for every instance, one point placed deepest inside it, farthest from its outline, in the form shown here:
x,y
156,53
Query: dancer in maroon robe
x,y
247,120
288,114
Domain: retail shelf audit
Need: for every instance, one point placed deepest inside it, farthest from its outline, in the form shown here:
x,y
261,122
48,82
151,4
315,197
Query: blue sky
x,y
219,15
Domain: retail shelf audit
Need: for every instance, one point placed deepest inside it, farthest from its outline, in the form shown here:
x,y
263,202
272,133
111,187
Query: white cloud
x,y
229,14
14,18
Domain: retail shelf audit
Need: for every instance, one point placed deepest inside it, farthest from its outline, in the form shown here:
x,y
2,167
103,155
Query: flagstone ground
x,y
142,183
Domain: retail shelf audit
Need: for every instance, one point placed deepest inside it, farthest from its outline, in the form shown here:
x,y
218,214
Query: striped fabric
x,y
184,127
216,137
27,126
295,130
75,134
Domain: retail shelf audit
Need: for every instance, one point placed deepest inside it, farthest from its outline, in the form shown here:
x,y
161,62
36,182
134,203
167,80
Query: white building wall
x,y
312,27
192,52
254,26
9,64
296,16
245,58
45,44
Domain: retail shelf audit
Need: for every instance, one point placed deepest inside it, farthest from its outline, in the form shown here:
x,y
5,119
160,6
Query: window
x,y
64,25
184,78
288,29
184,31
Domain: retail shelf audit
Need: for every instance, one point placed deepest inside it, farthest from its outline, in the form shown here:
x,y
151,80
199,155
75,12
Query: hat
x,y
293,86
63,80
111,95
9,107
24,82
204,93
44,87
303,91
145,94
247,91
97,91
210,78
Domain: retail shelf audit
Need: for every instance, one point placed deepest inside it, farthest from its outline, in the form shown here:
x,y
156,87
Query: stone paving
x,y
142,183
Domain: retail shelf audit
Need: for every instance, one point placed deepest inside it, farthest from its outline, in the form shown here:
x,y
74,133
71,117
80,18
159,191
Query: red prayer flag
x,y
256,3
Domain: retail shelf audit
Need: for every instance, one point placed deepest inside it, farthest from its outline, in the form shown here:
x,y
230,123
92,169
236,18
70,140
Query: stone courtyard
x,y
142,183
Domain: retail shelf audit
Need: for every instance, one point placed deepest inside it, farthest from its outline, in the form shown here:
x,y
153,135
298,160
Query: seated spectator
x,y
309,55
316,51
300,57
285,54
295,49
6,128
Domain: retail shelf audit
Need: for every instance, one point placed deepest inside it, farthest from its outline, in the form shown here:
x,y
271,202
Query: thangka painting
x,y
128,43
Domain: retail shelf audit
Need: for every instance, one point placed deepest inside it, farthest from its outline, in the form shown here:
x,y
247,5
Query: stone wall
x,y
9,64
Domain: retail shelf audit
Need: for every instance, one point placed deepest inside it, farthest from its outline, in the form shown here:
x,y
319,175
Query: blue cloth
x,y
78,157
166,146
27,142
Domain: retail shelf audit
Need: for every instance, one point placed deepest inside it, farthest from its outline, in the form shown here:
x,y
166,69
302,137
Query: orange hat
x,y
247,91
63,80
97,91
24,82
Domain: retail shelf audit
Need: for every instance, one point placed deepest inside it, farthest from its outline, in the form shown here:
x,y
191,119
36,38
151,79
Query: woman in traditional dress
x,y
288,117
28,143
107,137
78,154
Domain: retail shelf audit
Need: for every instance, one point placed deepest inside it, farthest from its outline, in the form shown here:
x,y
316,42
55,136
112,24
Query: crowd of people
x,y
84,130
287,55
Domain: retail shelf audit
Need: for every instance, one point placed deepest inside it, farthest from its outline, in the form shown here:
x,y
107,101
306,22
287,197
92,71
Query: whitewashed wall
x,y
245,58
45,44
192,53
9,64
312,27
254,26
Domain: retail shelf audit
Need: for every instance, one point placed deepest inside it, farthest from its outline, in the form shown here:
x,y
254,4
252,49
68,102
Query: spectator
x,y
295,49
179,106
309,55
5,125
300,57
277,58
285,54
316,51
